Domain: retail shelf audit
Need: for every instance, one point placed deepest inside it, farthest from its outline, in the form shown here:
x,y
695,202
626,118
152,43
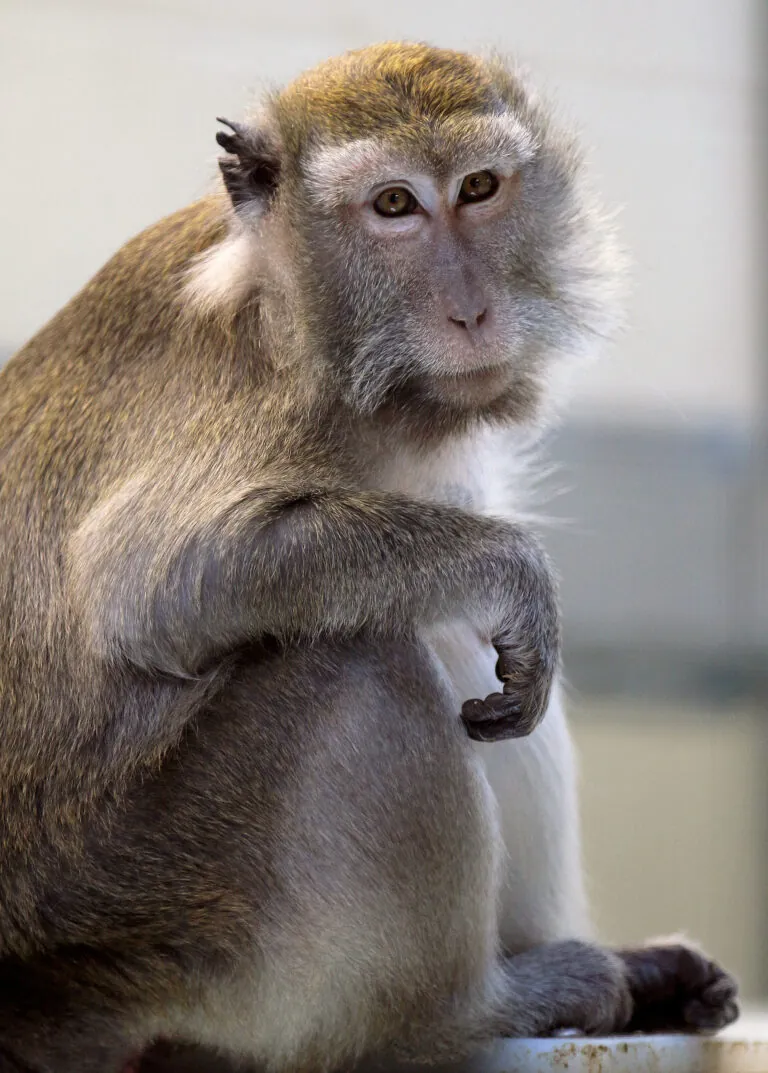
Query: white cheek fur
x,y
223,275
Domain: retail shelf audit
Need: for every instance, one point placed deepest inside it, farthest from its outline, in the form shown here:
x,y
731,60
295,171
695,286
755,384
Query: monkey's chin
x,y
471,389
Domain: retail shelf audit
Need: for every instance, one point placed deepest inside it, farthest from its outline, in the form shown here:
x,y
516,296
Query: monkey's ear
x,y
251,171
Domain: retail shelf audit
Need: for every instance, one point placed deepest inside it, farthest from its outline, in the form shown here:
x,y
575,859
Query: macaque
x,y
284,768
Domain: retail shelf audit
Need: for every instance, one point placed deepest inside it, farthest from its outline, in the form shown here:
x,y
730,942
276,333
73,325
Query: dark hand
x,y
521,705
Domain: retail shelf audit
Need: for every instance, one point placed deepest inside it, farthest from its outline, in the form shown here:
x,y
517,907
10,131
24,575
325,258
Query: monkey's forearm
x,y
173,596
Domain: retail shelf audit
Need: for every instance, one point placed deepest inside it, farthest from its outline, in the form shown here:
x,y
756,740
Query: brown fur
x,y
397,90
236,805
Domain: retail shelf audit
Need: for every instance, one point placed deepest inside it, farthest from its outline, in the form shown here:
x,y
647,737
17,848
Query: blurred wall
x,y
676,825
107,121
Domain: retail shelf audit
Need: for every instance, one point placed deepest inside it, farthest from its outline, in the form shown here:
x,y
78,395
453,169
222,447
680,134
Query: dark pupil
x,y
478,185
393,202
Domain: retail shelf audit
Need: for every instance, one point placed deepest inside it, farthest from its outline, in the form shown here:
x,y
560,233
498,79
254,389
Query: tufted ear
x,y
251,169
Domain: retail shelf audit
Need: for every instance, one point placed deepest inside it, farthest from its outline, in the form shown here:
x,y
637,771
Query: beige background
x,y
674,810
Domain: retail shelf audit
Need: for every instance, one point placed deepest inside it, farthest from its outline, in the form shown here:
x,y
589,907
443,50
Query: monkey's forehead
x,y
404,92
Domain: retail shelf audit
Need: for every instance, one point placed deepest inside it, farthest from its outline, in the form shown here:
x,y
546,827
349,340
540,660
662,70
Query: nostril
x,y
467,322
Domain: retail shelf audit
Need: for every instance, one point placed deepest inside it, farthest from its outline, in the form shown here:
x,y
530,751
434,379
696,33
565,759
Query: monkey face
x,y
445,253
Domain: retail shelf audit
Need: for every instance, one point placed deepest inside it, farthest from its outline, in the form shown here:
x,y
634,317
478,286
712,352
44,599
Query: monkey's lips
x,y
471,383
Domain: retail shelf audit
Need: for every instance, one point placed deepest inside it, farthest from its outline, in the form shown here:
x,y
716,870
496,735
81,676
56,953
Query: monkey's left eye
x,y
396,201
478,186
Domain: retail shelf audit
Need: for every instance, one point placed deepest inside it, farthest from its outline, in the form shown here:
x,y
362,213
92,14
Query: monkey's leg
x,y
335,798
542,896
310,879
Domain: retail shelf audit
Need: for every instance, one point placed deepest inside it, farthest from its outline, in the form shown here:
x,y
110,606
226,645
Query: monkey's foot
x,y
677,988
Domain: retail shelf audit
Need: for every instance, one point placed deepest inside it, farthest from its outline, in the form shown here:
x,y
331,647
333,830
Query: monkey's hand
x,y
527,673
676,988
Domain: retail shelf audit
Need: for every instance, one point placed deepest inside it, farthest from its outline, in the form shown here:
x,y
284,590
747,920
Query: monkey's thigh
x,y
330,817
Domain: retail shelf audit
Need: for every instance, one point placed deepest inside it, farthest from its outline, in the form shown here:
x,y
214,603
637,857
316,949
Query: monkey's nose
x,y
469,321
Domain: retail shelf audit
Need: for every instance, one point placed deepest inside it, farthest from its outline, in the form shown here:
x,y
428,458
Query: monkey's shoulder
x,y
133,295
166,247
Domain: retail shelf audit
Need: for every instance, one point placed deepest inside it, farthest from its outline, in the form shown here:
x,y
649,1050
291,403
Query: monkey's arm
x,y
170,585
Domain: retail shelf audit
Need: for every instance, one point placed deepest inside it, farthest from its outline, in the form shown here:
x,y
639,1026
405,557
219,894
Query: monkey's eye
x,y
395,201
478,186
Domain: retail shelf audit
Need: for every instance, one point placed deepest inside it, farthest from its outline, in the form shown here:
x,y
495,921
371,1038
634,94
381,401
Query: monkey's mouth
x,y
473,384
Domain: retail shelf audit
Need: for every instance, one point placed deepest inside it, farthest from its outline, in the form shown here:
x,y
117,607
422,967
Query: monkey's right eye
x,y
395,201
